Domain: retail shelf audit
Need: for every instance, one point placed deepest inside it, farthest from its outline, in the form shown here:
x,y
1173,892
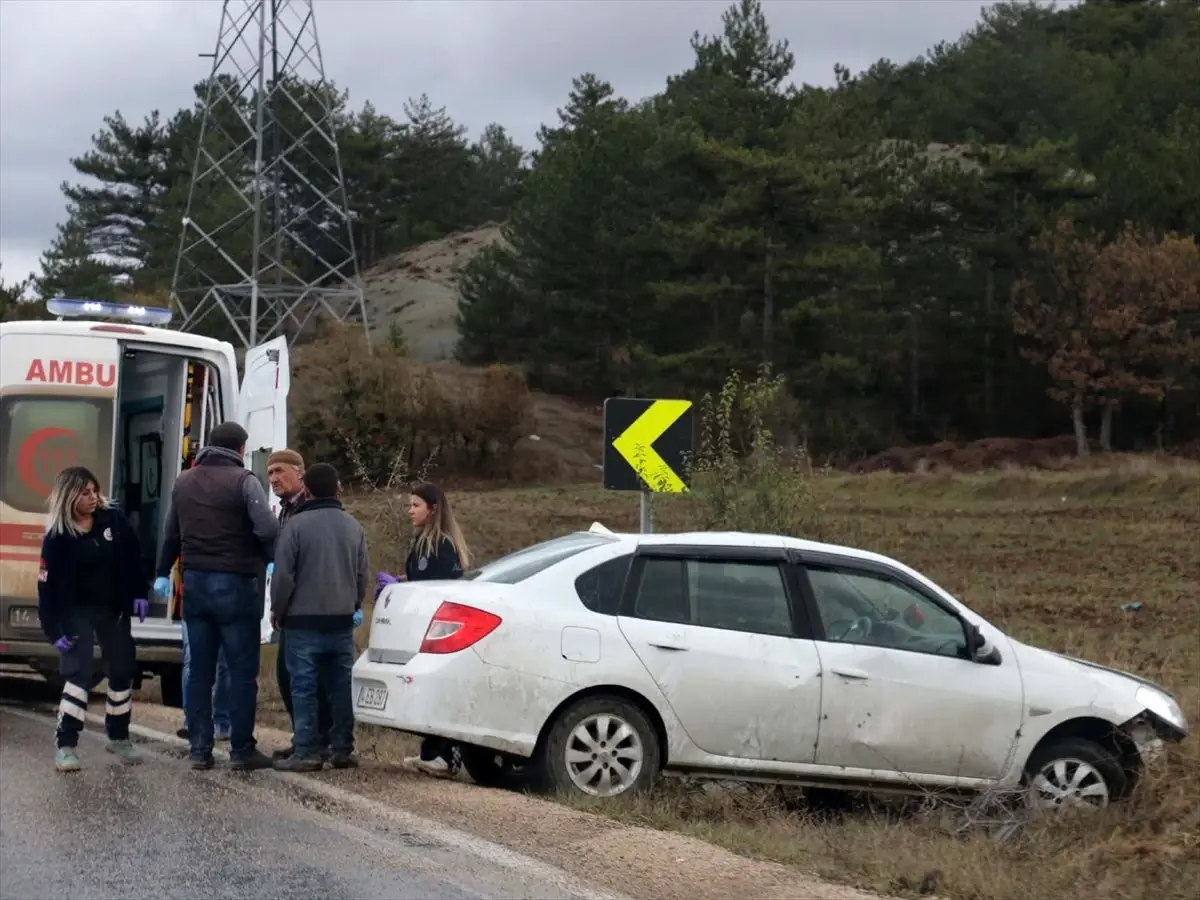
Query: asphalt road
x,y
160,830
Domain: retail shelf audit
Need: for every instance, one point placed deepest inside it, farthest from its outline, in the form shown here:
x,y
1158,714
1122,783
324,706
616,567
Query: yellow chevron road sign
x,y
646,443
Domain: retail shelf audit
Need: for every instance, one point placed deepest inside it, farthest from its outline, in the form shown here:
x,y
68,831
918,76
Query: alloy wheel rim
x,y
604,755
1069,783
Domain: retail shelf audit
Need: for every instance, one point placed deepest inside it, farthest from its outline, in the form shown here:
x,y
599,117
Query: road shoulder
x,y
635,861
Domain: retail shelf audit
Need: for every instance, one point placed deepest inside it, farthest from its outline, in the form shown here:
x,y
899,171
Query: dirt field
x,y
1051,557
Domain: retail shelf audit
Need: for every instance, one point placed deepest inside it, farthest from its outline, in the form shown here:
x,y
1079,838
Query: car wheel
x,y
490,768
1074,773
601,747
170,683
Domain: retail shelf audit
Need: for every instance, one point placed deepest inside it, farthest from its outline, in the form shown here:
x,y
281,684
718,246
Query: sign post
x,y
646,443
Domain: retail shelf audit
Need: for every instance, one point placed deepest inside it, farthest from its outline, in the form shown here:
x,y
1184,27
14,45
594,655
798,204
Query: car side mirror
x,y
979,650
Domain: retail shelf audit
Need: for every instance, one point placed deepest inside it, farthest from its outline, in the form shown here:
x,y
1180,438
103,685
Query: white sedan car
x,y
596,661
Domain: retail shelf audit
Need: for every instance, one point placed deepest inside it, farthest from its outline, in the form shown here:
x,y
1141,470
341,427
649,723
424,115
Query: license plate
x,y
371,697
23,617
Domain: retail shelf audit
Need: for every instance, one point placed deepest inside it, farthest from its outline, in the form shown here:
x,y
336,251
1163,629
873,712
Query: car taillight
x,y
456,627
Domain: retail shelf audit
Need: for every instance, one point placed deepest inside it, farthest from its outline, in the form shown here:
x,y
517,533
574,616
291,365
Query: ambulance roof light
x,y
100,309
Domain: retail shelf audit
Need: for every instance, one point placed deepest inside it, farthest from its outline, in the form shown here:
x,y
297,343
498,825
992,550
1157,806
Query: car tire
x,y
490,768
170,683
1074,772
588,726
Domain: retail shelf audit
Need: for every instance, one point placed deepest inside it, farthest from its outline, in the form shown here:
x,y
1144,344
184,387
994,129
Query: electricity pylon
x,y
267,236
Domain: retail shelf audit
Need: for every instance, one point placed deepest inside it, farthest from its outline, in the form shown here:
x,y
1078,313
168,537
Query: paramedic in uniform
x,y
285,473
89,582
220,524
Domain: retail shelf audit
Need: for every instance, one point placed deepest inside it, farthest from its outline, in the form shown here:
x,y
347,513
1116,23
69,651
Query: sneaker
x,y
343,761
252,763
125,750
299,764
437,766
201,765
66,760
283,754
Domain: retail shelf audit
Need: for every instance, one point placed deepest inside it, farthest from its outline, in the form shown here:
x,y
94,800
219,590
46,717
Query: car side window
x,y
858,607
733,596
600,587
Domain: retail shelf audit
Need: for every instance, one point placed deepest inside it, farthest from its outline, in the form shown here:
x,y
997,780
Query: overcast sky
x,y
64,65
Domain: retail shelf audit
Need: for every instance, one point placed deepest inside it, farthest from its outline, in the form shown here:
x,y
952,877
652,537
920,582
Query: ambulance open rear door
x,y
262,411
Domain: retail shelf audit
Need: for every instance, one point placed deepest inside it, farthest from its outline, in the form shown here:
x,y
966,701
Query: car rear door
x,y
262,411
57,409
716,629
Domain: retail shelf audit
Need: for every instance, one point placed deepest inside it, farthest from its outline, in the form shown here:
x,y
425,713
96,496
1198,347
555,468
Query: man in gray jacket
x,y
220,525
321,576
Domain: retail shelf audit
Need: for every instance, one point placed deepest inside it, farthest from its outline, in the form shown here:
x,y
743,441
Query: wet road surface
x,y
160,830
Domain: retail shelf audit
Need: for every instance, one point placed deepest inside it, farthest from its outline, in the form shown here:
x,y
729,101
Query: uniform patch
x,y
108,534
423,563
42,573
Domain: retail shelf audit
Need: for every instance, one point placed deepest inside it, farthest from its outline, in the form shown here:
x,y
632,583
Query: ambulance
x,y
106,386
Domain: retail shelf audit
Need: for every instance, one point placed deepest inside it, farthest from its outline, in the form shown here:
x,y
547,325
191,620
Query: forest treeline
x,y
996,238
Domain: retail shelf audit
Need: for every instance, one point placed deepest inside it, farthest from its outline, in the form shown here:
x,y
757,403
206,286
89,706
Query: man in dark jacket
x,y
285,473
220,524
321,576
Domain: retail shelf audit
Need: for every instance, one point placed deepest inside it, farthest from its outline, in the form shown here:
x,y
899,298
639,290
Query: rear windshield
x,y
40,436
528,562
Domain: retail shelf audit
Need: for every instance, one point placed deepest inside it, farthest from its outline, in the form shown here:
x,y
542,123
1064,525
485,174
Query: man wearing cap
x,y
220,524
285,472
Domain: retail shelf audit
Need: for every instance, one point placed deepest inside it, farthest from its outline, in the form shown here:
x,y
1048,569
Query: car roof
x,y
740,539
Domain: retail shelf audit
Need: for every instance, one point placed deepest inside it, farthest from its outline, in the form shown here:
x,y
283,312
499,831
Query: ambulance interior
x,y
166,407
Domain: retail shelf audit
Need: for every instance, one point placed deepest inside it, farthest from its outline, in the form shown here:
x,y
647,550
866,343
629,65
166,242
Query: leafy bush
x,y
743,479
370,412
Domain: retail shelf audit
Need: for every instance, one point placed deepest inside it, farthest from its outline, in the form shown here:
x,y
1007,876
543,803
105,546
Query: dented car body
x,y
595,661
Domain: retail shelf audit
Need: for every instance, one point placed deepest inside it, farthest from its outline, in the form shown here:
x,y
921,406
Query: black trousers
x,y
111,630
324,712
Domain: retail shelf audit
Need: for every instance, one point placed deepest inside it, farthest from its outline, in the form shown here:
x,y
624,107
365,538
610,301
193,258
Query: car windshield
x,y
528,562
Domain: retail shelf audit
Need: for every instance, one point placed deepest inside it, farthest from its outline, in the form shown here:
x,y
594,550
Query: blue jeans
x,y
222,613
310,655
220,695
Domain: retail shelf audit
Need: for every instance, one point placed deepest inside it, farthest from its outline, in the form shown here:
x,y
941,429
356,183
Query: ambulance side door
x,y
262,411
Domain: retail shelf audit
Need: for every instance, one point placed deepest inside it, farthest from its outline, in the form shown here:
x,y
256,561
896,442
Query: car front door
x,y
716,631
900,693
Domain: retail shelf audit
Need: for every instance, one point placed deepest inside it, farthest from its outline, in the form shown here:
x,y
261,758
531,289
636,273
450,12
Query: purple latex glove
x,y
382,580
141,609
64,644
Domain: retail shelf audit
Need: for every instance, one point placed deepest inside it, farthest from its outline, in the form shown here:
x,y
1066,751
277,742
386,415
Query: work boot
x,y
252,763
343,761
66,760
125,750
300,764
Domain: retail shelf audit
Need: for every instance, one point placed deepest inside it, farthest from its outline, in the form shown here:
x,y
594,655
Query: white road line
x,y
448,838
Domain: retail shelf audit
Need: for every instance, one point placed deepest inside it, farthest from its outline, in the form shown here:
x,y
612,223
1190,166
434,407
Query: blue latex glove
x,y
162,587
270,569
382,580
358,617
64,644
141,609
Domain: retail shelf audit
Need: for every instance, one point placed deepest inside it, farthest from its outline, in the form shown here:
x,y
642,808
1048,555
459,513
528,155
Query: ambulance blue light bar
x,y
100,309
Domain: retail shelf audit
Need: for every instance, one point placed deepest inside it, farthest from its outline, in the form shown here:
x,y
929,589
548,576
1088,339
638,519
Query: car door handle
x,y
663,645
851,674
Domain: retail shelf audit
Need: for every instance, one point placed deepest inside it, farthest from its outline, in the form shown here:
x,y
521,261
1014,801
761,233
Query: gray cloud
x,y
66,64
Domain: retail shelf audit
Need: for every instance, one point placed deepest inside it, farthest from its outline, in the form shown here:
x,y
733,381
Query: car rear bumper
x,y
456,696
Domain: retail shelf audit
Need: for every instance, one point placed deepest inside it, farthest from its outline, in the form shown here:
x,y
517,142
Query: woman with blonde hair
x,y
89,582
438,552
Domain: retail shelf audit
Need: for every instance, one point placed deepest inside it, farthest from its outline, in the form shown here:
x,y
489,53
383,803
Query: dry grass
x,y
1048,556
